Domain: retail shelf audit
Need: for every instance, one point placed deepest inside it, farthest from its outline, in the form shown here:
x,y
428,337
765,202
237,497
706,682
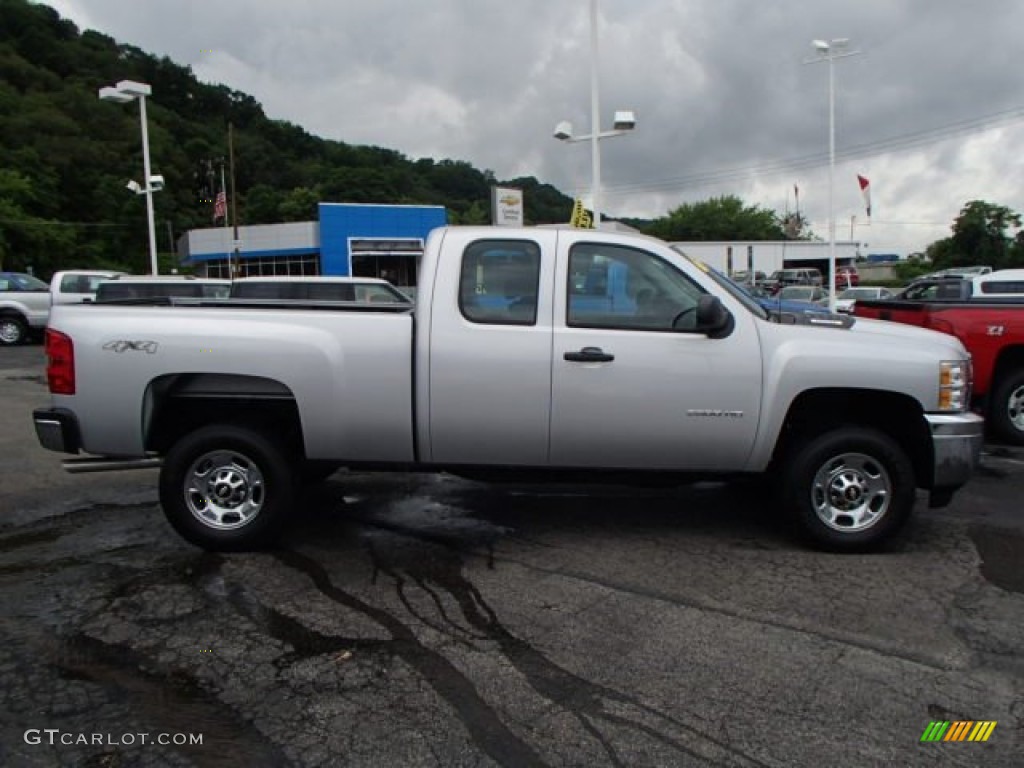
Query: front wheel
x,y
226,488
1006,412
13,330
849,489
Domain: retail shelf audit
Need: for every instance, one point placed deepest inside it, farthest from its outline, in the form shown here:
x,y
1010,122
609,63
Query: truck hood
x,y
912,333
875,332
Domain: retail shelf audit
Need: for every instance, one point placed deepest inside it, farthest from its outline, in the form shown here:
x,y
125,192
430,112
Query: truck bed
x,y
358,357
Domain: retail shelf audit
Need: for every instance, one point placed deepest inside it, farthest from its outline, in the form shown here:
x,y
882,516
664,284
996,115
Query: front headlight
x,y
955,379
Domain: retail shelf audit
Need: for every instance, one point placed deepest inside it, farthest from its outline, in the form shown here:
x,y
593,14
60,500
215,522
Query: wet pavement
x,y
430,621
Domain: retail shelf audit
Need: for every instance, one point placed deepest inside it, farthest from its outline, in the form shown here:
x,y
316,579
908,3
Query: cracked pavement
x,y
430,621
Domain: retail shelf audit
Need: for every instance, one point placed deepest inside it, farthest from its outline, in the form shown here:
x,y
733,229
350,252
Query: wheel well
x,y
178,404
898,416
1010,359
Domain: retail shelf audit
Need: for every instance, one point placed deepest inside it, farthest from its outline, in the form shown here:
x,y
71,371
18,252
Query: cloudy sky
x,y
931,110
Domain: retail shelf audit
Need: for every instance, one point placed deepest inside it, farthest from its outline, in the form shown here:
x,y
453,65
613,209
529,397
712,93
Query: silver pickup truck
x,y
530,353
24,307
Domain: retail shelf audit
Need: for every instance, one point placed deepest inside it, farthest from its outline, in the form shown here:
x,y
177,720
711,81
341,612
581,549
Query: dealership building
x,y
384,241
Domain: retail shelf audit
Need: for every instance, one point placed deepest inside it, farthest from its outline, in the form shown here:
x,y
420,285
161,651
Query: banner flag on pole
x,y
581,217
220,206
865,189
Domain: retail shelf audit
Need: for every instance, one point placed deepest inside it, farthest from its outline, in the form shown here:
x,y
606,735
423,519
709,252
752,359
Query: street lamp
x,y
830,50
124,92
624,122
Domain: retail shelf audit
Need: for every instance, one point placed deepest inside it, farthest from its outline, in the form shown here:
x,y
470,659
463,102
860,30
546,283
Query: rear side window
x,y
73,283
1002,286
500,282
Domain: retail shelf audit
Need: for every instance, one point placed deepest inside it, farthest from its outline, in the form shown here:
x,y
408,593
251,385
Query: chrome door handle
x,y
589,355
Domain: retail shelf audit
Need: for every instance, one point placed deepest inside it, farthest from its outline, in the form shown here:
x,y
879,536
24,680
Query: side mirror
x,y
713,318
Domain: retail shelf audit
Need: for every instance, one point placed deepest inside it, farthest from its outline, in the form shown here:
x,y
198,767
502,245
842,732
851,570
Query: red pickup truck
x,y
993,332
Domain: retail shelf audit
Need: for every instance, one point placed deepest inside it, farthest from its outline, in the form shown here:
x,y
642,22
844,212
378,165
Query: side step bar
x,y
79,466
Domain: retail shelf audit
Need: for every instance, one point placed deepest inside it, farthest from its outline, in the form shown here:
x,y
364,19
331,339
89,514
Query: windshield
x,y
859,293
737,291
801,293
22,282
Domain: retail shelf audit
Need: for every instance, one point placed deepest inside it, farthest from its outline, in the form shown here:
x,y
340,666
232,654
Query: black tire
x,y
860,479
1006,409
13,330
250,480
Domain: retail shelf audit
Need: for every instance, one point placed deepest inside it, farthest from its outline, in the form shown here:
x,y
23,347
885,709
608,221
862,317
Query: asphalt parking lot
x,y
430,621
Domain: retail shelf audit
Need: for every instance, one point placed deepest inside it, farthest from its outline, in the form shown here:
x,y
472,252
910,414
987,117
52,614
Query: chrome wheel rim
x,y
851,492
9,331
224,490
1015,408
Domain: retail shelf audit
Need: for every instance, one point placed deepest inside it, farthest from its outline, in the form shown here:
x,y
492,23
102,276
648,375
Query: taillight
x,y
60,366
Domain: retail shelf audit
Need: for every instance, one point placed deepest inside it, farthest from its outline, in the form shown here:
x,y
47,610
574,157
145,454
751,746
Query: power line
x,y
856,151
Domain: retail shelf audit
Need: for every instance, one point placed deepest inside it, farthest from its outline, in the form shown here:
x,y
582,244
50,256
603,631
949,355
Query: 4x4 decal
x,y
123,345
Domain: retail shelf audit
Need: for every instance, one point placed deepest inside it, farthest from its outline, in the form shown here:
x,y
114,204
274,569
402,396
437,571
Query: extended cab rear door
x,y
489,362
629,390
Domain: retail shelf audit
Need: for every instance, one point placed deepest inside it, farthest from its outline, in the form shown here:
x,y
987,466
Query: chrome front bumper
x,y
956,447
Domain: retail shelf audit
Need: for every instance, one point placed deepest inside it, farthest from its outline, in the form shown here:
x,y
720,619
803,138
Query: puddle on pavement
x,y
1000,555
166,700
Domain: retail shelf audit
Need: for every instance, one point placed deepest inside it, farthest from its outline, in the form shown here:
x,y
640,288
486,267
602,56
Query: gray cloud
x,y
724,103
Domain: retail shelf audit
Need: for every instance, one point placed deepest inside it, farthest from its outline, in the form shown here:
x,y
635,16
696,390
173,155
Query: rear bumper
x,y
57,430
956,447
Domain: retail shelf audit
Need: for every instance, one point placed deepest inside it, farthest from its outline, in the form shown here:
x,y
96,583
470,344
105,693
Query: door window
x,y
612,286
499,284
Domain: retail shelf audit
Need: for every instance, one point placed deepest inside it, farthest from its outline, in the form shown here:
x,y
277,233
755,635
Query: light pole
x,y
624,121
829,51
122,93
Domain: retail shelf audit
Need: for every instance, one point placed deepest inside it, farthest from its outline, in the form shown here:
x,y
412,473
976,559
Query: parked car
x,y
749,278
777,303
135,287
810,293
846,299
24,307
507,367
78,286
847,277
992,330
783,277
318,288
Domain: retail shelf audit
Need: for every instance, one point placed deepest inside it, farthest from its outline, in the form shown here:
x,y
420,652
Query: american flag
x,y
220,206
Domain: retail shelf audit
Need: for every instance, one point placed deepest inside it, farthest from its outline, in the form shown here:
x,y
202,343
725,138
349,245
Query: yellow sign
x,y
580,216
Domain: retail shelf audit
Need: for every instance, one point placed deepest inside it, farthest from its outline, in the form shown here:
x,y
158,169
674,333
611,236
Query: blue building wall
x,y
341,222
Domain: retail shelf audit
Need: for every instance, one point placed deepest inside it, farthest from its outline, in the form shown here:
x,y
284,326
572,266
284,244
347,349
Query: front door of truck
x,y
489,366
633,385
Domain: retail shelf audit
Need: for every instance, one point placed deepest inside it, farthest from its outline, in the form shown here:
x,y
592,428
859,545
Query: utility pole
x,y
236,262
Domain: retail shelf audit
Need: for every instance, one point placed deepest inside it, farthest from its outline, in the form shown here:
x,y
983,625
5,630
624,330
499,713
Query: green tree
x,y
25,239
719,218
980,237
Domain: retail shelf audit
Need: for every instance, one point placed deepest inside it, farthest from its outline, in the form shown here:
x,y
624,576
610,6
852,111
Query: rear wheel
x,y
13,330
226,488
849,489
1006,411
